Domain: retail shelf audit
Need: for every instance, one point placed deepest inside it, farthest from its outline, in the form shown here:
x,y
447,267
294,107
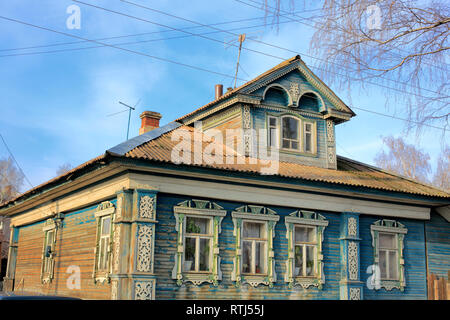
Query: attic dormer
x,y
294,108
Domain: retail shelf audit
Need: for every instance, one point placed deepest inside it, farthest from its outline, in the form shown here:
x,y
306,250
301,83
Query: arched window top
x,y
276,94
311,101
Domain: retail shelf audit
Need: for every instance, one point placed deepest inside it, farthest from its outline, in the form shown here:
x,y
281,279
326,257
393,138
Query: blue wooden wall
x,y
414,255
165,248
438,245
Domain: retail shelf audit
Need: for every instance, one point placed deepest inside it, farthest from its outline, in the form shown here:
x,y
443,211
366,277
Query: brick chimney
x,y
149,121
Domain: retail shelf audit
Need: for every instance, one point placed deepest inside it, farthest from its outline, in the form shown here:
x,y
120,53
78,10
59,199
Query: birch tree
x,y
402,45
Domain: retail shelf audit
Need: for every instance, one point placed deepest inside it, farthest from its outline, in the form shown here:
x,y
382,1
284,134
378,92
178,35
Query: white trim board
x,y
265,196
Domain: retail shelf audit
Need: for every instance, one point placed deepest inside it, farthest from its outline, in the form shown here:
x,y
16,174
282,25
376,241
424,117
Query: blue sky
x,y
54,106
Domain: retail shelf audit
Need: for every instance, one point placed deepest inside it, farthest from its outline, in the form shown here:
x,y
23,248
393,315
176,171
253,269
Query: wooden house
x,y
200,209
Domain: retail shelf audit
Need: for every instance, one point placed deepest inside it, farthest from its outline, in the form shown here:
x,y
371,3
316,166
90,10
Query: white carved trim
x,y
144,290
144,255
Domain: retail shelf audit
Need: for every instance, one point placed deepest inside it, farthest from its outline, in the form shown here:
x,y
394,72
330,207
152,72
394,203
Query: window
x,y
273,132
103,249
305,251
197,259
254,257
105,231
388,253
304,266
254,243
197,254
48,259
48,252
308,137
290,136
292,133
387,241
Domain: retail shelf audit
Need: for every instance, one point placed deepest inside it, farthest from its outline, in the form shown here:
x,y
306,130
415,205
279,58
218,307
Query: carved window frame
x,y
104,210
304,218
199,209
395,228
48,256
251,213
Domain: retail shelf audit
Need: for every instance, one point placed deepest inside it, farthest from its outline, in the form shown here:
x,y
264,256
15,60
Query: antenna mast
x,y
129,114
241,40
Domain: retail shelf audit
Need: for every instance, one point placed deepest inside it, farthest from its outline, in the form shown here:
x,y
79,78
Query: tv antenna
x,y
241,40
129,113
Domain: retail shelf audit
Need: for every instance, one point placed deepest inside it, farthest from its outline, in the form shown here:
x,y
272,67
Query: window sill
x,y
306,282
197,278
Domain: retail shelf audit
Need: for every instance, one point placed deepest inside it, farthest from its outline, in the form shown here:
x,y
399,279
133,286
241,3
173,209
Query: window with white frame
x,y
304,266
292,133
308,137
273,131
388,244
305,248
103,250
198,242
49,254
254,244
105,239
254,230
198,224
50,229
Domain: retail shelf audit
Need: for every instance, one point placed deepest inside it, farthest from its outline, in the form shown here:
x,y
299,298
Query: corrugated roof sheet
x,y
349,172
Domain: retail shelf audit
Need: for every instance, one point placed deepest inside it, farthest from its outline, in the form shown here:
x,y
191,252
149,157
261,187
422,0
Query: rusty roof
x,y
349,172
159,148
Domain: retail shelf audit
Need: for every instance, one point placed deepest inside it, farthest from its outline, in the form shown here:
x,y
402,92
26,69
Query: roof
x,y
349,172
158,147
282,65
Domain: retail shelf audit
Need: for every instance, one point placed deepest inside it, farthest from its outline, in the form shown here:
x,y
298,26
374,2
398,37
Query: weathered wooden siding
x,y
74,247
165,248
414,255
438,245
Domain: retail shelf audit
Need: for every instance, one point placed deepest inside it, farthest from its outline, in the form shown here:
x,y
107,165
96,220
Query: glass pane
x,y
189,255
304,234
106,225
298,261
259,254
383,261
103,253
290,128
50,235
294,145
393,265
204,254
273,137
272,122
253,230
307,127
197,225
246,256
387,240
308,142
286,144
309,260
